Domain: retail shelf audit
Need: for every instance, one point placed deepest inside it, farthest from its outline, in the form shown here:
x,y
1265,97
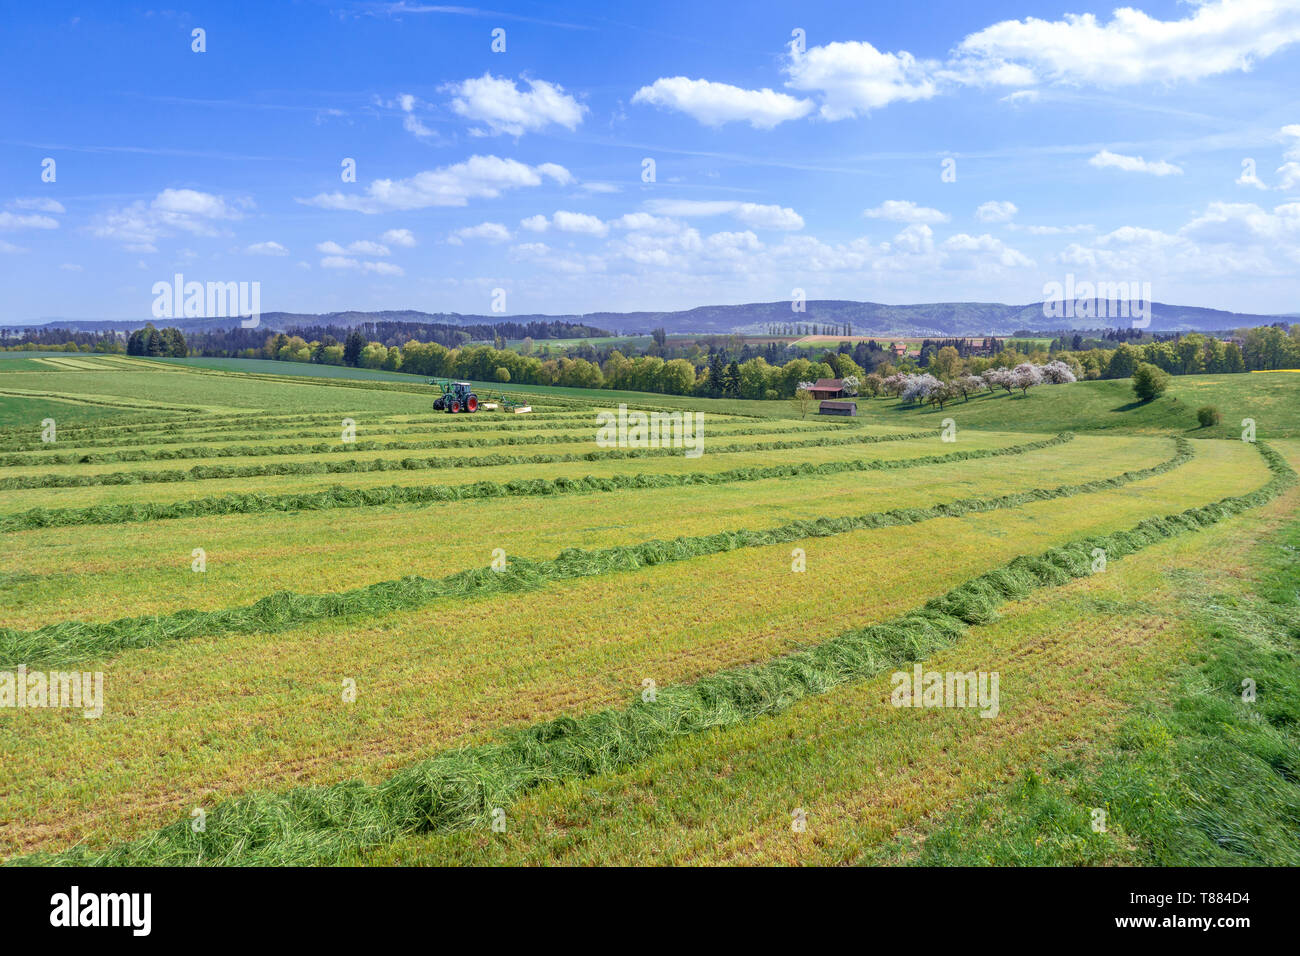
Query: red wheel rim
x,y
455,407
472,404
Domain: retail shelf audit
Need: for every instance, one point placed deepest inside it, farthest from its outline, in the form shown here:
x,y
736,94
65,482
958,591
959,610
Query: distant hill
x,y
867,318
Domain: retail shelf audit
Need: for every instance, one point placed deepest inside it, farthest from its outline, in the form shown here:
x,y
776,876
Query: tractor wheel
x,y
455,406
471,403
437,404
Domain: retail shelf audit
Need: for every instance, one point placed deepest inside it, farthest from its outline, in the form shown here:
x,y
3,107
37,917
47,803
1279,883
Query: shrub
x,y
1207,415
1149,382
502,374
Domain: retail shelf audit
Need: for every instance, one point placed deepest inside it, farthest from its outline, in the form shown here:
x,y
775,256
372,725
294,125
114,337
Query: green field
x,y
490,639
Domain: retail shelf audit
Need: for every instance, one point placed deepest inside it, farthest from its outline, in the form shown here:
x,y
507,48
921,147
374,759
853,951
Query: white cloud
x,y
10,249
39,204
479,177
489,231
854,77
410,122
644,222
1052,230
716,103
9,220
538,223
140,225
1225,240
1134,164
348,263
963,251
756,215
70,267
362,247
1217,37
996,211
504,108
903,210
1248,177
399,237
578,222
1020,98
268,248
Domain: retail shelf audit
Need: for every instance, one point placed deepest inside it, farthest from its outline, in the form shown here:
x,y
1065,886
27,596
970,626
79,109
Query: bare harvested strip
x,y
405,494
353,465
458,789
74,640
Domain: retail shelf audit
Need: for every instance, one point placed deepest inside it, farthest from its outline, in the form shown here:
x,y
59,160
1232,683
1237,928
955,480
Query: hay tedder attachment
x,y
510,405
455,397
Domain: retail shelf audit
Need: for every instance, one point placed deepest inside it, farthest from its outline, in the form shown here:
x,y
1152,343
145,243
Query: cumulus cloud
x,y
267,248
1020,98
903,210
399,237
1053,230
140,225
996,211
853,78
488,231
9,220
1224,240
502,107
847,79
645,222
348,263
755,215
410,122
39,204
578,222
1133,47
362,247
1134,164
714,104
479,177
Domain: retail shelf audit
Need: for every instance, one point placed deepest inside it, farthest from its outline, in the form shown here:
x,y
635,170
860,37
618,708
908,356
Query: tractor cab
x,y
455,397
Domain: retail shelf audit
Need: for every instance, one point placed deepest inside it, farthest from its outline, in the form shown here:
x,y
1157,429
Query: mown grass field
x,y
767,591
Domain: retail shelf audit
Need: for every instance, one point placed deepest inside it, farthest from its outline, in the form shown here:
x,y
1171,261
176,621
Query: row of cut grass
x,y
107,570
190,722
365,492
779,441
70,641
459,789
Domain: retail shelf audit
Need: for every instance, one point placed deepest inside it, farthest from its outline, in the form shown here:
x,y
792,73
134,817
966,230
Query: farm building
x,y
827,388
838,408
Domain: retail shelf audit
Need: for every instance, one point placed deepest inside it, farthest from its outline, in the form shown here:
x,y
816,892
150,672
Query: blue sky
x,y
1084,141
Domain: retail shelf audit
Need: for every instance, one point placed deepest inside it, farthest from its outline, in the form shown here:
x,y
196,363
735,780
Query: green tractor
x,y
455,397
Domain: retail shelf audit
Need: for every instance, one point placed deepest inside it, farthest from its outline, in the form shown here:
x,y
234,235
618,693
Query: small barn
x,y
838,408
827,388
